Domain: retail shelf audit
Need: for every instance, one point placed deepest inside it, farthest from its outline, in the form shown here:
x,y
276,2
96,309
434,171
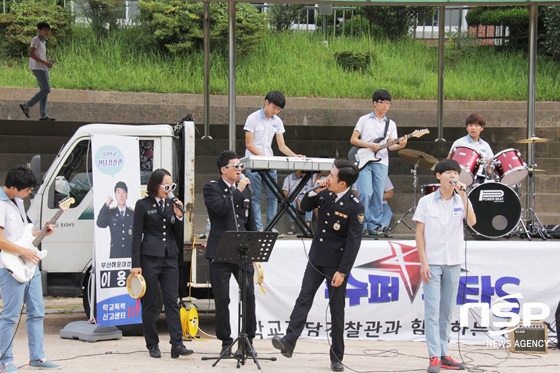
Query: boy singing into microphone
x,y
440,243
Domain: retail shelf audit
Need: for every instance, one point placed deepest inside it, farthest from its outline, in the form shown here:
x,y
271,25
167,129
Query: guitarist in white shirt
x,y
20,181
371,182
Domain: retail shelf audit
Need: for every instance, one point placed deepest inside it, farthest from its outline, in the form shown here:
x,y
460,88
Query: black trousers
x,y
312,280
220,274
164,271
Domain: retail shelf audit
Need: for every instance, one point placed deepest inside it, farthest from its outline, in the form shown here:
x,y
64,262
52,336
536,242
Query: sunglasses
x,y
237,166
168,187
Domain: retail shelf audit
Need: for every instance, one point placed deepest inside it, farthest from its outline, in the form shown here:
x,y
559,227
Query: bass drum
x,y
497,209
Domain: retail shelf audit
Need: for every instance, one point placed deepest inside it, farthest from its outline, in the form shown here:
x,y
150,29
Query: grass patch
x,y
295,63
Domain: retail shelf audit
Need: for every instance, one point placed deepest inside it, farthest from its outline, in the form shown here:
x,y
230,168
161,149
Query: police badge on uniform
x,y
336,226
361,218
130,232
173,219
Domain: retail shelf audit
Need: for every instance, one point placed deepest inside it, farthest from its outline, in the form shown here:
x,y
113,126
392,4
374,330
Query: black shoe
x,y
226,350
50,119
25,109
180,350
337,366
155,352
285,347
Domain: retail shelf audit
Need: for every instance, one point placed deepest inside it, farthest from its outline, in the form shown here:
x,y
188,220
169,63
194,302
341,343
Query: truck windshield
x,y
75,179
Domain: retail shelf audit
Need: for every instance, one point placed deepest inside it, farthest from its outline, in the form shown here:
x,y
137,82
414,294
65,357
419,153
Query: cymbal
x,y
424,160
533,139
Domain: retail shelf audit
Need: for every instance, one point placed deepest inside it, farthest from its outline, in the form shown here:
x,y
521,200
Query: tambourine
x,y
258,276
136,286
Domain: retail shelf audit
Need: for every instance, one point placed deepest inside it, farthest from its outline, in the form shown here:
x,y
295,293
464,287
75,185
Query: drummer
x,y
475,125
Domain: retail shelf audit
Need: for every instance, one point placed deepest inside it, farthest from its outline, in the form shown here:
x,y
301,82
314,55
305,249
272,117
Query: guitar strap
x,y
386,127
23,218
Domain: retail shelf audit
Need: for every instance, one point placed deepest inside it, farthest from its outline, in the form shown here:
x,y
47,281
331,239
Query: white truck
x,y
66,269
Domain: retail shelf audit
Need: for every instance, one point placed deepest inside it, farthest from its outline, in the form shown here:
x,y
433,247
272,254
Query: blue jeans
x,y
440,296
13,292
308,214
371,184
41,96
387,215
271,200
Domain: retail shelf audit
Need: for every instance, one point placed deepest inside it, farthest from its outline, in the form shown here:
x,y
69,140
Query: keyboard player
x,y
260,128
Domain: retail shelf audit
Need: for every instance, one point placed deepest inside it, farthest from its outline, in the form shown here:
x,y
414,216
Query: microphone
x,y
249,188
454,182
172,197
318,186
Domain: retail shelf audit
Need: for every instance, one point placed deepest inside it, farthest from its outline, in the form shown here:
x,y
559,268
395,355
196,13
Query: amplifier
x,y
529,339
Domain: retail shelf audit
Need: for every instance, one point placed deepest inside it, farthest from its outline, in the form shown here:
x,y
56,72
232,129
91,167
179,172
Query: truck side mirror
x,y
35,166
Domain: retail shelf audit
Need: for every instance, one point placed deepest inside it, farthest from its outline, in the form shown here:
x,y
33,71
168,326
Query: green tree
x,y
551,20
392,22
283,15
19,26
103,15
177,26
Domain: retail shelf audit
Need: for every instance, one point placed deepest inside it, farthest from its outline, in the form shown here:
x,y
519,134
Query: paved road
x,y
130,354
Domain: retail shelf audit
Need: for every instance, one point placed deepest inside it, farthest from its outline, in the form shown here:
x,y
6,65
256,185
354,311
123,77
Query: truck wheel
x,y
127,330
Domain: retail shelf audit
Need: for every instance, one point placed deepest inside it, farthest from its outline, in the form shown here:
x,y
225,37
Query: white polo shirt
x,y
11,218
263,130
444,239
371,128
291,182
481,146
40,51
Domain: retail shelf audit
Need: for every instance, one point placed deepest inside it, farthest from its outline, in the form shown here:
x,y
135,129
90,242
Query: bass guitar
x,y
362,156
19,267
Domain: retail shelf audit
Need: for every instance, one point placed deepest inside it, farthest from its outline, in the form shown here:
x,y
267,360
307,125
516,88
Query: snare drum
x,y
469,159
497,209
509,167
429,188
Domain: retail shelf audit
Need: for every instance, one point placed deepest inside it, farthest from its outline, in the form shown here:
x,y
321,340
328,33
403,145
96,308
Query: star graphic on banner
x,y
405,261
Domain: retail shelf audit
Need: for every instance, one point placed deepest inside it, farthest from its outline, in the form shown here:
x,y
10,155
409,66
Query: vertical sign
x,y
116,175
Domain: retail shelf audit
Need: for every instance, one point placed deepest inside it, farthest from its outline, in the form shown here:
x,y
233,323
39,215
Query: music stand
x,y
244,248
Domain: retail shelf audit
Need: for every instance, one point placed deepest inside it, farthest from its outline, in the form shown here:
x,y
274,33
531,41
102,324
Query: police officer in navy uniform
x,y
119,219
155,253
228,201
334,249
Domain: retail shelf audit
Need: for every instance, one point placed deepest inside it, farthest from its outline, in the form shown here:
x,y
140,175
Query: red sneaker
x,y
448,363
435,363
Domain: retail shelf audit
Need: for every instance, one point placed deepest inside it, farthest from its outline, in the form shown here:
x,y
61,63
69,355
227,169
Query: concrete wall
x,y
314,127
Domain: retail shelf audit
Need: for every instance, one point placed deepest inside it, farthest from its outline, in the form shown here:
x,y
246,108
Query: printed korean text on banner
x,y
384,297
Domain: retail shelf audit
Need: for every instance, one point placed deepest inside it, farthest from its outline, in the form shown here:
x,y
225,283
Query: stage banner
x,y
384,297
116,172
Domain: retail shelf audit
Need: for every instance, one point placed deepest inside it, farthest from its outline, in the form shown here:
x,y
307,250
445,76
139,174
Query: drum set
x,y
496,201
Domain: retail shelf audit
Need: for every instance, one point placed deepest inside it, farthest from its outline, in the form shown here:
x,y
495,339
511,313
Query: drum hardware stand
x,y
535,225
243,248
414,172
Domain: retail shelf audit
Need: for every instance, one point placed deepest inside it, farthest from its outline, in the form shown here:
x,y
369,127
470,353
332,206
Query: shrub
x,y
283,15
177,26
515,18
19,26
393,22
551,19
103,15
354,61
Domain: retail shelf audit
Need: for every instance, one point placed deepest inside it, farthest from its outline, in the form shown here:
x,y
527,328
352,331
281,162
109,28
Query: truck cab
x,y
70,250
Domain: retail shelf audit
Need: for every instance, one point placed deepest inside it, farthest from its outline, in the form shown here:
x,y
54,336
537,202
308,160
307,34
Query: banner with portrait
x,y
116,175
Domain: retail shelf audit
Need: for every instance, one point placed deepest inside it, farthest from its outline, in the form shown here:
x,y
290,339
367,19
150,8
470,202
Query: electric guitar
x,y
19,267
362,156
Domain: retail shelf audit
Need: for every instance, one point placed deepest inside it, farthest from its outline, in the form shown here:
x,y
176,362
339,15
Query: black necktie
x,y
333,200
162,205
122,214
